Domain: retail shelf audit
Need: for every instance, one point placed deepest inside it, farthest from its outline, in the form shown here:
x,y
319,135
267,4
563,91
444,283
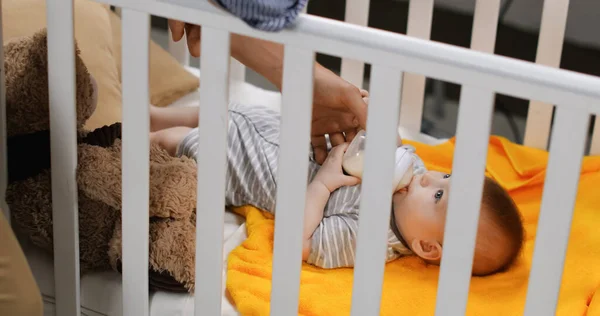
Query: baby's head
x,y
420,215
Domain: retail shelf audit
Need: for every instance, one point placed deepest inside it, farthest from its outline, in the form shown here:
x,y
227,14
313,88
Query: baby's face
x,y
420,209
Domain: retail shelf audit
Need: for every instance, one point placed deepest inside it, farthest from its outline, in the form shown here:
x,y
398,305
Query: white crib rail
x,y
212,129
480,74
468,166
352,70
382,124
485,25
3,161
554,224
549,51
179,50
420,14
595,146
292,175
63,146
135,160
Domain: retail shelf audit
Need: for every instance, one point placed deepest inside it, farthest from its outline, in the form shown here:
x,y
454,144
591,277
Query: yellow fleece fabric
x,y
409,286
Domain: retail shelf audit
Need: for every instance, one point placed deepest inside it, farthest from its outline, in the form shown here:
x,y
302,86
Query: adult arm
x,y
339,108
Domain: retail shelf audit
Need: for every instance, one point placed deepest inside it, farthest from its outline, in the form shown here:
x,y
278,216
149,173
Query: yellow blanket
x,y
409,286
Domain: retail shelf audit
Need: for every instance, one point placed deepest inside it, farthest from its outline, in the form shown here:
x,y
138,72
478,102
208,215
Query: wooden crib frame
x,y
399,67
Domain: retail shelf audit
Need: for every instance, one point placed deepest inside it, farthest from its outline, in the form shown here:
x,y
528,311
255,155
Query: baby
x,y
418,212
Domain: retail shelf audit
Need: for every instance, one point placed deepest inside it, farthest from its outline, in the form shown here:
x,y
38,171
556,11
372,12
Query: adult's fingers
x,y
319,145
336,139
193,39
356,105
335,122
177,29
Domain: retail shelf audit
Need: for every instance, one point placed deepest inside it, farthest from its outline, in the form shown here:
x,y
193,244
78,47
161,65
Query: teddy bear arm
x,y
99,174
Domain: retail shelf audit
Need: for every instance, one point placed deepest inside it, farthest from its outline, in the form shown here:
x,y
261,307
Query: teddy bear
x,y
172,203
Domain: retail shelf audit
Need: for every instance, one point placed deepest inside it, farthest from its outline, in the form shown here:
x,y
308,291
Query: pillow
x,y
169,80
93,34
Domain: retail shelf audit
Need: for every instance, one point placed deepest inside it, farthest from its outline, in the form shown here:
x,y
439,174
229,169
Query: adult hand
x,y
339,109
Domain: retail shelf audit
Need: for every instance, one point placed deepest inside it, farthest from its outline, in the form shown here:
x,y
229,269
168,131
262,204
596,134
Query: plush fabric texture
x,y
168,80
409,284
172,184
23,18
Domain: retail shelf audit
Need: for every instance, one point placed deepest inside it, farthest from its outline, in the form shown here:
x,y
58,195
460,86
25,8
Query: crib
x,y
400,65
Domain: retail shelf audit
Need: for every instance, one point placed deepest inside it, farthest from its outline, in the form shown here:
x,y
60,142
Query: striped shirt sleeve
x,y
265,15
334,241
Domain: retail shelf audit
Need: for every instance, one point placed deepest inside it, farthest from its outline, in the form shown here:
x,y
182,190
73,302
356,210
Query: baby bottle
x,y
352,162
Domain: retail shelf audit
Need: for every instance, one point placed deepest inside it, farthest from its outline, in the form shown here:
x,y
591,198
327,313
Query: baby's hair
x,y
501,210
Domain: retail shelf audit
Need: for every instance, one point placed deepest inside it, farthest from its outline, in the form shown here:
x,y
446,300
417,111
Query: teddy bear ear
x,y
26,75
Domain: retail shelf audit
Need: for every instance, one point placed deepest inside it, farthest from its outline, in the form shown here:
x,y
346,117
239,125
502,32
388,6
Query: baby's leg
x,y
170,138
163,118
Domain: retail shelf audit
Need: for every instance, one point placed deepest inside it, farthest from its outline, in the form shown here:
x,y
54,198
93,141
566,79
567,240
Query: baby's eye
x,y
438,195
446,176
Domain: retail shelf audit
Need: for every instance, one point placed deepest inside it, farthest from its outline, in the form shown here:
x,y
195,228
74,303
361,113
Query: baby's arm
x,y
328,179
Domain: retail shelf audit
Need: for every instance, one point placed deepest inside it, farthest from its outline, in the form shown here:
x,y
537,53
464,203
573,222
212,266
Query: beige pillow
x,y
93,34
169,81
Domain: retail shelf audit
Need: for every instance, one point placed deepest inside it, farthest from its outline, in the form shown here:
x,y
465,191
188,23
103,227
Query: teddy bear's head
x,y
26,75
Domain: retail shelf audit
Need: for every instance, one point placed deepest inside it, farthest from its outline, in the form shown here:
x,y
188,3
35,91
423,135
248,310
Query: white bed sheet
x,y
101,292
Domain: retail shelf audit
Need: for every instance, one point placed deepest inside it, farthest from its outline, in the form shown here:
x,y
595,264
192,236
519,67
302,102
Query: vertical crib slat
x,y
382,124
357,12
464,201
292,175
554,223
179,50
595,148
485,25
420,14
63,146
212,167
3,161
549,51
136,161
237,70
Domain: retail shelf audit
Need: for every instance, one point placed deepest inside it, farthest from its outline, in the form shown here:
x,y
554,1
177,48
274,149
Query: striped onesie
x,y
252,152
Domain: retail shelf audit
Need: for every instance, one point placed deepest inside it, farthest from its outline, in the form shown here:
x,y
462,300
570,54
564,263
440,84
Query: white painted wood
x,y
179,50
375,204
237,70
357,13
291,179
595,147
464,201
485,25
549,51
212,129
3,160
63,146
420,14
459,65
554,223
136,161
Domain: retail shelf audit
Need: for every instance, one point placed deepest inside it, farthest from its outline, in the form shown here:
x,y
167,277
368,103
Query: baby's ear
x,y
429,250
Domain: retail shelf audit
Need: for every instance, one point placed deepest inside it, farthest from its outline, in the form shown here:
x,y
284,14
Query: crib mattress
x,y
101,293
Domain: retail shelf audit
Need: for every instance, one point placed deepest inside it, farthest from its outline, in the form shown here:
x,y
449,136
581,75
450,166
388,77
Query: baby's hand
x,y
330,174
